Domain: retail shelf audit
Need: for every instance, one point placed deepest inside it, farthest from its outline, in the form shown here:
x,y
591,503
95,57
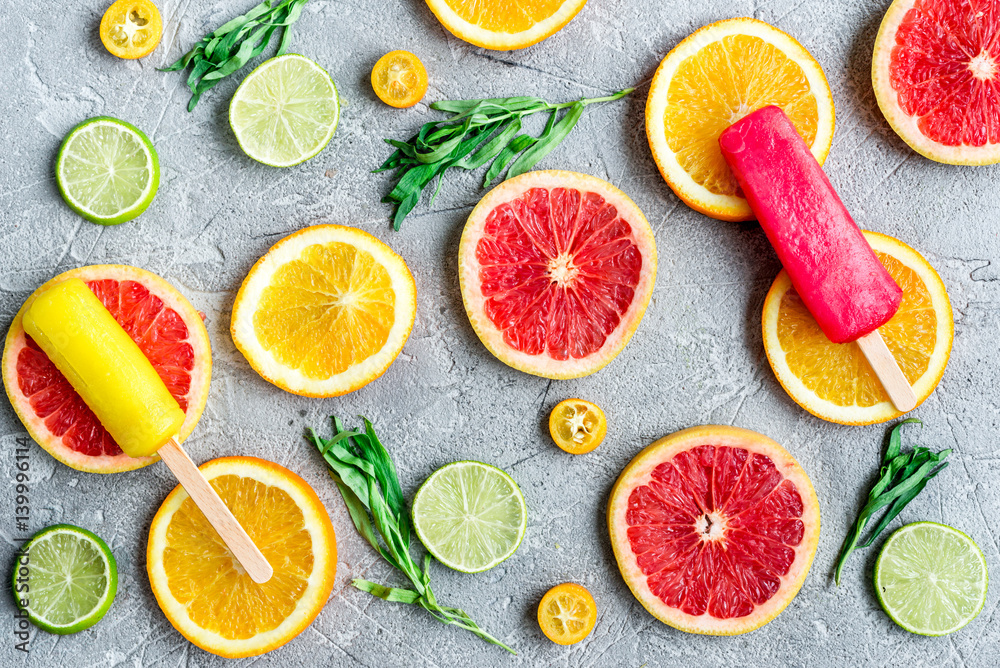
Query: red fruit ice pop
x,y
831,265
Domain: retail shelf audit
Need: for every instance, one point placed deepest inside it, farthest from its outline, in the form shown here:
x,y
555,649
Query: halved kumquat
x,y
399,79
131,28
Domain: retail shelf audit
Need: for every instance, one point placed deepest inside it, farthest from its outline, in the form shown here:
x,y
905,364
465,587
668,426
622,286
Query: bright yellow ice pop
x,y
105,366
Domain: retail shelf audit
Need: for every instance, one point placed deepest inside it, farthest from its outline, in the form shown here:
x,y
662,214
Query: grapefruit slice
x,y
714,529
556,270
937,79
169,331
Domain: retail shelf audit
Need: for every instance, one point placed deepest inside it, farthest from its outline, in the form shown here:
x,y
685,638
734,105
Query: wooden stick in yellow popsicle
x,y
107,369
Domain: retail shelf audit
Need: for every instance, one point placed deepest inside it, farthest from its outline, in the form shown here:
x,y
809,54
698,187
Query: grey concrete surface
x,y
696,358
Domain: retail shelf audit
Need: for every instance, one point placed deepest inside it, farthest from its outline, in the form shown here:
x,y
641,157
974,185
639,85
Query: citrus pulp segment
x,y
714,529
107,170
131,28
936,75
577,426
504,24
285,111
931,579
471,516
168,330
70,582
567,613
203,590
325,311
399,79
556,270
715,77
834,381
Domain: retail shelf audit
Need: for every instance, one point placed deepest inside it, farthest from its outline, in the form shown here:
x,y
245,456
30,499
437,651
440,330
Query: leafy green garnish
x,y
477,132
235,43
367,479
901,478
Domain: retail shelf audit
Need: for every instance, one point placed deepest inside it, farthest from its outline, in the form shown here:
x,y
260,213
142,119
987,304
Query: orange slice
x,y
207,595
712,79
577,426
399,79
504,24
325,311
567,613
833,381
131,28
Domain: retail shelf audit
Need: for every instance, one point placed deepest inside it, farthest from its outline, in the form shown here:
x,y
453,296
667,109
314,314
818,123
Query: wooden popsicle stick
x,y
216,512
889,374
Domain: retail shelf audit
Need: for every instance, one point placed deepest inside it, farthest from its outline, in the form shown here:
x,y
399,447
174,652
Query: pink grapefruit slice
x,y
556,270
169,331
714,529
936,74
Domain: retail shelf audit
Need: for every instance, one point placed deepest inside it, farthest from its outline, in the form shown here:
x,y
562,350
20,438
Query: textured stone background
x,y
697,357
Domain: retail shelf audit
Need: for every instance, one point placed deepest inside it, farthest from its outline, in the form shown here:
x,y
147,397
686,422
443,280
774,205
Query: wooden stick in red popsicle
x,y
829,261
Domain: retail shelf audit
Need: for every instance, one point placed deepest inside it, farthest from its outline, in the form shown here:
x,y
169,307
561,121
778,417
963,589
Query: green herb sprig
x,y
477,132
367,479
903,475
235,43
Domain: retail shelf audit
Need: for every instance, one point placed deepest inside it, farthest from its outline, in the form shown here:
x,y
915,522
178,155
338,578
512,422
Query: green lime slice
x,y
931,579
67,581
470,516
107,170
285,111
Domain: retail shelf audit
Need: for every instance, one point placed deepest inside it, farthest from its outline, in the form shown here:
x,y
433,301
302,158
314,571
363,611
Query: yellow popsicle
x,y
105,366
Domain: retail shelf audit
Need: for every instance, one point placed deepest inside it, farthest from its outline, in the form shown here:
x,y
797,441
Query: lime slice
x,y
470,516
107,170
285,111
68,581
931,579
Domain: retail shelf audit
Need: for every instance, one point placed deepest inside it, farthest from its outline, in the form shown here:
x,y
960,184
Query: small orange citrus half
x,y
567,613
131,28
577,426
399,79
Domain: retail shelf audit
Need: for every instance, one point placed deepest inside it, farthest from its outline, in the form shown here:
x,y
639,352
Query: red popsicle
x,y
830,263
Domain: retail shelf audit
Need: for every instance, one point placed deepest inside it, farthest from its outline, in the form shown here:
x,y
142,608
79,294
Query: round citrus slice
x,y
65,578
285,111
931,579
715,77
936,74
399,79
577,426
168,330
131,28
834,381
556,270
471,516
325,311
504,24
202,589
107,170
567,613
714,529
